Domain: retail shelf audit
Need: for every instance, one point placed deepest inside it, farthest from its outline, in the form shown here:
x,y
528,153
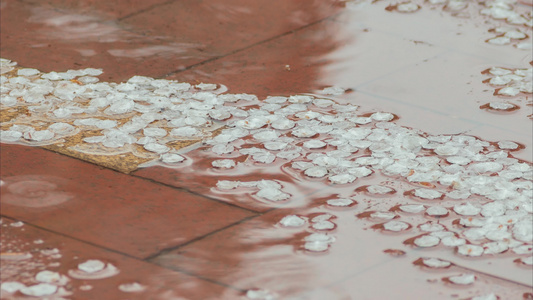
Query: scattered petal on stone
x,y
323,225
466,209
61,128
495,247
427,241
260,294
91,266
501,105
11,286
318,242
507,145
51,277
382,116
407,7
470,250
303,132
38,136
436,263
273,194
133,287
172,158
292,221
427,194
316,172
17,224
463,279
395,226
341,202
431,227
27,72
314,144
379,189
342,178
334,91
413,208
223,163
275,146
39,290
452,241
437,211
157,148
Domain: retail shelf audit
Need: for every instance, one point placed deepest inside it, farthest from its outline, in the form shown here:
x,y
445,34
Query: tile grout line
x,y
192,274
492,275
145,260
152,180
144,10
194,193
248,47
71,237
169,249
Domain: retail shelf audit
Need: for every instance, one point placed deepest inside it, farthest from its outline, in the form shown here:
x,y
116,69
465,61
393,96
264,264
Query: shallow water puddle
x,y
439,71
40,264
358,194
308,151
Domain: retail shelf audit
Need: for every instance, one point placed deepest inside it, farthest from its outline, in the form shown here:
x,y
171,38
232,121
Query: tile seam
x,y
145,10
248,47
176,247
153,181
121,253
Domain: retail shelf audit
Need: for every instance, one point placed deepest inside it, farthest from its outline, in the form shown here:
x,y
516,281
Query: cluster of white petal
x,y
319,139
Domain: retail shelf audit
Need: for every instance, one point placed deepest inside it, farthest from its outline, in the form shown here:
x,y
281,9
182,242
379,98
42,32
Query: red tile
x,y
291,64
104,207
261,254
115,9
48,39
153,43
199,176
158,283
222,26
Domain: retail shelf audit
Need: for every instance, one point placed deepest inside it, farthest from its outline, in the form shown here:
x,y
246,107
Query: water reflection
x,y
35,191
432,71
394,76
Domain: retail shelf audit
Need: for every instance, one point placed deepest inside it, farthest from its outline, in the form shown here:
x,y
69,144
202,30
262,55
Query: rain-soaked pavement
x,y
266,149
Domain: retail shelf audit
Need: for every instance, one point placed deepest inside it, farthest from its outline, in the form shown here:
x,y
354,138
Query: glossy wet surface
x,y
410,177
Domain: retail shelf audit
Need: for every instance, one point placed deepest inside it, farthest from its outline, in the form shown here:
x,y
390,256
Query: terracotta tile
x,y
154,43
261,254
158,283
287,65
222,26
107,208
47,39
117,10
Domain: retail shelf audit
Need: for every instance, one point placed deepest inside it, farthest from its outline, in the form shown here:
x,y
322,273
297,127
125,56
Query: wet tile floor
x,y
266,150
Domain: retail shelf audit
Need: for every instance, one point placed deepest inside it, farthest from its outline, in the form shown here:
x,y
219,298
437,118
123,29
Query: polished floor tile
x,y
48,39
287,65
27,250
103,207
118,10
220,27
